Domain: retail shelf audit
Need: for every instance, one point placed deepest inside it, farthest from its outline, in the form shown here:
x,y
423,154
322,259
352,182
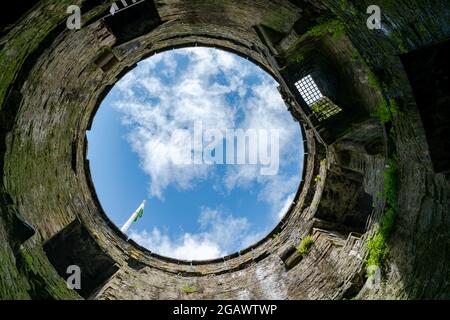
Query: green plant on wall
x,y
387,108
334,27
377,245
373,81
188,289
305,245
25,260
378,250
397,39
348,7
297,57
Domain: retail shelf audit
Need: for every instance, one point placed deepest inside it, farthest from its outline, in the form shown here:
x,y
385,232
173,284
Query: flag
x,y
139,214
134,217
114,9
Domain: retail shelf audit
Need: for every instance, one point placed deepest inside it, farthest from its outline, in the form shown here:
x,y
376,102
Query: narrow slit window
x,y
322,107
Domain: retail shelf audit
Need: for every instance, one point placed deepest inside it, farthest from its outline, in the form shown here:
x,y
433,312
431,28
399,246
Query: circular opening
x,y
204,138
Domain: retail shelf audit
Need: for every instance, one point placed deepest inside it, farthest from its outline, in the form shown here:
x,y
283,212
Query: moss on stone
x,y
43,282
348,7
378,250
397,40
297,57
305,245
26,260
387,110
356,56
373,81
334,27
317,179
188,289
24,42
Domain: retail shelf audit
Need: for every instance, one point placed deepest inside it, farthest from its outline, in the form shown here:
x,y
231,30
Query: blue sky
x,y
201,211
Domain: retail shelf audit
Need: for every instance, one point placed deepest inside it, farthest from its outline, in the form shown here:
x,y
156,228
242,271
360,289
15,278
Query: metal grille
x,y
309,90
322,107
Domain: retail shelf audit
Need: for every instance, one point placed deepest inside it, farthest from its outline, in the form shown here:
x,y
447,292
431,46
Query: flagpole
x,y
127,224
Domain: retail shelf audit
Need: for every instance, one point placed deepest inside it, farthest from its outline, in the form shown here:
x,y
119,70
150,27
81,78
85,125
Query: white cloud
x,y
156,100
155,109
220,234
287,203
187,247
